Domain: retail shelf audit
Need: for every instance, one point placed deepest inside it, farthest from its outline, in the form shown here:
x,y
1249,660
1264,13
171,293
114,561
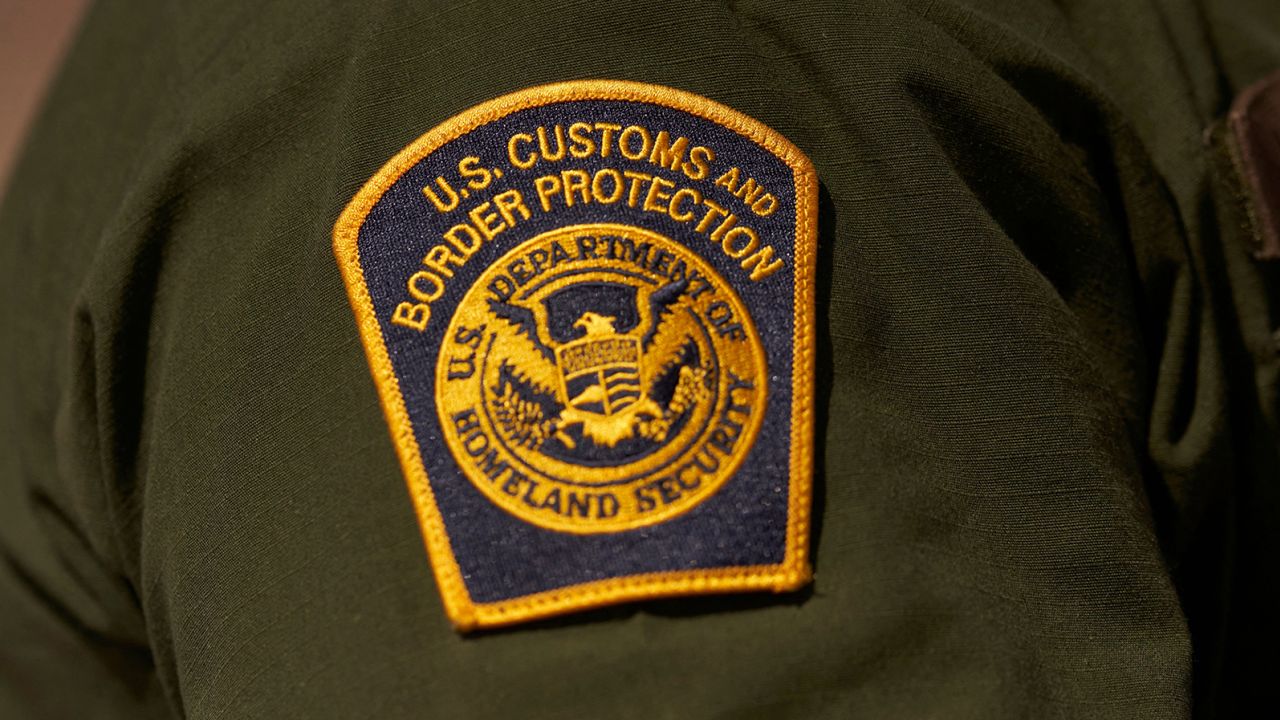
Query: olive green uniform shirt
x,y
1047,482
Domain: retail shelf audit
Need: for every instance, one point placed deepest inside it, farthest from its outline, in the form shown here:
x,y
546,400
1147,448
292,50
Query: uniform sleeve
x,y
74,641
1025,382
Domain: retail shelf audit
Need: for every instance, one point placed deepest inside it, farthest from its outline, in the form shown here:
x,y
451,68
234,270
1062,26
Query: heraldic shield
x,y
600,370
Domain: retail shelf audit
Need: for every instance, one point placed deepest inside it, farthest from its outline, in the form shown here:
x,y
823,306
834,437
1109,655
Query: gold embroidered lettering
x,y
633,153
411,315
527,161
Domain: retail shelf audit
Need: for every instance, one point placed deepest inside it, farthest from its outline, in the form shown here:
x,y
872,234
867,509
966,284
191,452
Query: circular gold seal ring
x,y
600,378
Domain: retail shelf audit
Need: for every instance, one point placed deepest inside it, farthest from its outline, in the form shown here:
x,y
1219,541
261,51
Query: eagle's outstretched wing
x,y
664,343
534,361
525,323
660,304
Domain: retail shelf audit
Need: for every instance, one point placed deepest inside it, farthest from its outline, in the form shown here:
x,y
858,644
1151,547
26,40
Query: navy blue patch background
x,y
501,556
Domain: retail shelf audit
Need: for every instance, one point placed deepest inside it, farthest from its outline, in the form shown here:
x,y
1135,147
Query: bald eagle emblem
x,y
607,368
600,377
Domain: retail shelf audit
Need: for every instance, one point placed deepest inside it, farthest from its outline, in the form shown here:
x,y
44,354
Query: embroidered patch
x,y
588,309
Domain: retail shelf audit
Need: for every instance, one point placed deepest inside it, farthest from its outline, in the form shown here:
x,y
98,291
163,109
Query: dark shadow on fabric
x,y
824,366
1227,580
132,664
670,608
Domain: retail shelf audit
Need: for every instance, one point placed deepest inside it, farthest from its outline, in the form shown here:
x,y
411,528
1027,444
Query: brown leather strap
x,y
1254,123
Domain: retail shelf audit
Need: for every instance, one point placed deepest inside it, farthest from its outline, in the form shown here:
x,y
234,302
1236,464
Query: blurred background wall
x,y
34,34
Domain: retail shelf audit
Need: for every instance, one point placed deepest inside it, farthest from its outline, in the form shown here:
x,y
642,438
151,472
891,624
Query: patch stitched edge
x,y
794,571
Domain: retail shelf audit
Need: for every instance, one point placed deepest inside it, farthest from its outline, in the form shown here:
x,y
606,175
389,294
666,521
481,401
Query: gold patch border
x,y
794,571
